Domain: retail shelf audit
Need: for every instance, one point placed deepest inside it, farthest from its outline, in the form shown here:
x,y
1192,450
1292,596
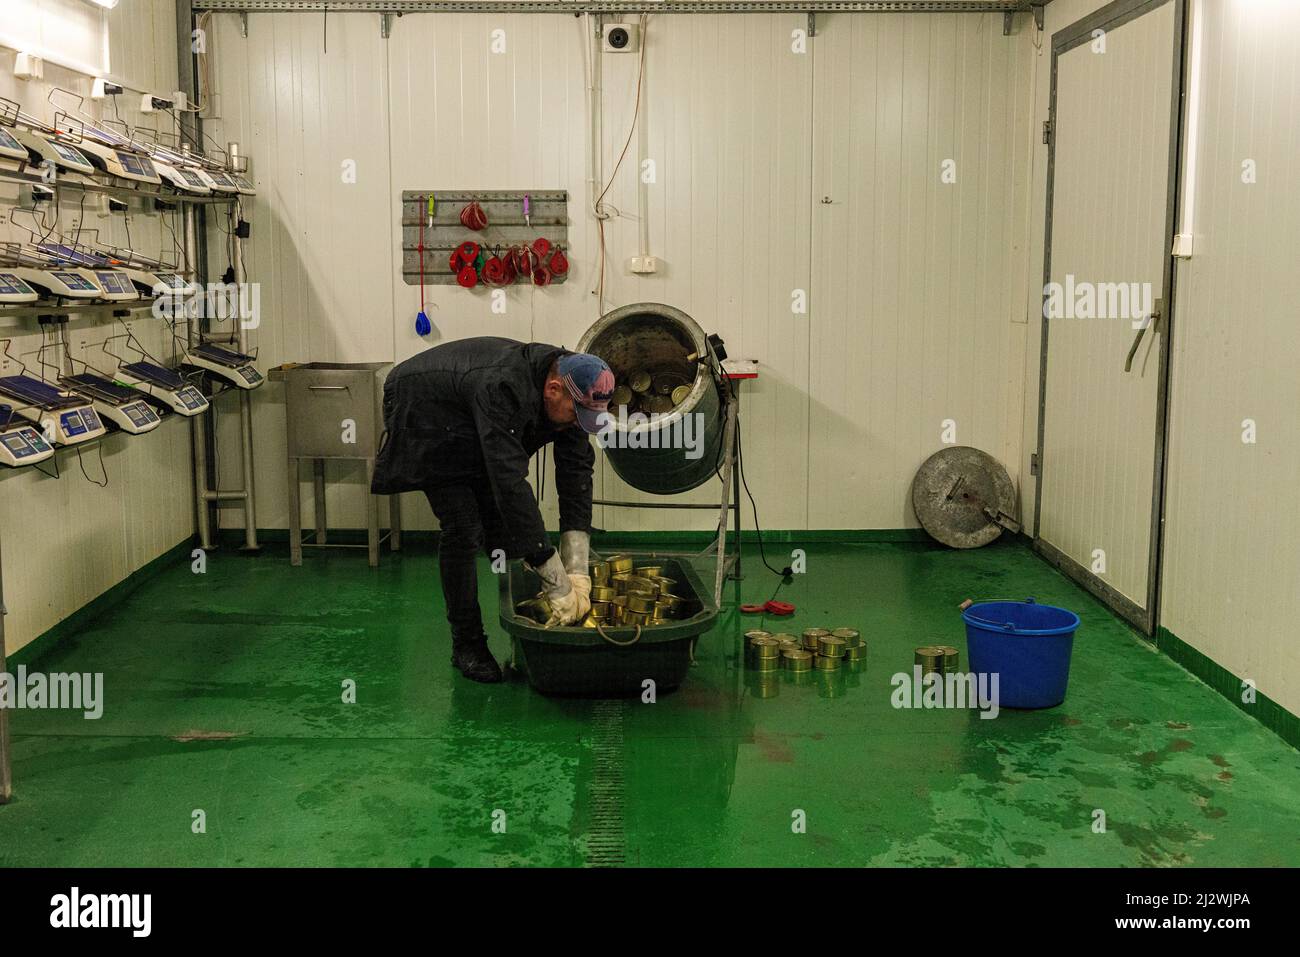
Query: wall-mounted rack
x,y
507,225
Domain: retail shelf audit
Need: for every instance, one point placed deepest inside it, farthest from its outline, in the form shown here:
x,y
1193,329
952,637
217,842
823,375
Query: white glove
x,y
582,586
575,551
567,606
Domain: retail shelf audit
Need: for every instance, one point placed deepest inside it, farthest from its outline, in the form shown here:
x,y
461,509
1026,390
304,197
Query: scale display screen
x,y
191,397
11,285
17,444
221,179
69,154
72,423
137,165
140,414
171,280
250,374
115,283
74,281
191,179
91,417
8,142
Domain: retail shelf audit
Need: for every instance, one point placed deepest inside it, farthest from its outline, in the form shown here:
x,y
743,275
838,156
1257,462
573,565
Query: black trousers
x,y
470,522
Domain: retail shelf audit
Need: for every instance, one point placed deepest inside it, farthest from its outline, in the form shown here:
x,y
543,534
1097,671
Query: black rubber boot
x,y
475,662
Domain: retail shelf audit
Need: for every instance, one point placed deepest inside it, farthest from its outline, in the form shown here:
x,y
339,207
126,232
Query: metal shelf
x,y
618,6
64,309
81,182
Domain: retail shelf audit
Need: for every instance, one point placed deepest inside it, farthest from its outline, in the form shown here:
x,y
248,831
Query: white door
x,y
1107,272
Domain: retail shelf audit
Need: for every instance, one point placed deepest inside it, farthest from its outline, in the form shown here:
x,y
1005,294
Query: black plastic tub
x,y
578,661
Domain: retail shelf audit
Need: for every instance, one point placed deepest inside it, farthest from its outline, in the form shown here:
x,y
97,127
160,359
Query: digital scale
x,y
165,385
10,148
13,289
61,154
67,419
114,285
244,185
123,406
117,155
234,367
57,282
184,178
20,443
217,181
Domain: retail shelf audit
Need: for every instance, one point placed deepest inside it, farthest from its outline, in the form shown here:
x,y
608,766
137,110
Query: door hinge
x,y
1047,132
1033,463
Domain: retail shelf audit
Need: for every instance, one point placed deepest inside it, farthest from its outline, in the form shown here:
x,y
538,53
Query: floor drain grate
x,y
606,840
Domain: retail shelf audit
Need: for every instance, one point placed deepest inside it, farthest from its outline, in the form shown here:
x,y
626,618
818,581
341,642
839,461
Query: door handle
x,y
1150,321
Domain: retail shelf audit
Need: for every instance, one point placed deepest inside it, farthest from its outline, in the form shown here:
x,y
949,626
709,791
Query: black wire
x,y
55,473
103,484
758,531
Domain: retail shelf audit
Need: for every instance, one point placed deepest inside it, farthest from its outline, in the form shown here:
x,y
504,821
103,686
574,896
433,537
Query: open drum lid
x,y
963,497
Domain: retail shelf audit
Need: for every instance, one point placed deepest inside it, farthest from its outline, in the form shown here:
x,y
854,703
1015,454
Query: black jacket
x,y
471,411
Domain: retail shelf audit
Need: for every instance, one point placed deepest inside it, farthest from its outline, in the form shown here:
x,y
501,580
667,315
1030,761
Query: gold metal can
x,y
635,618
797,659
657,403
642,586
640,604
766,648
790,644
812,636
672,602
756,633
823,663
649,571
640,382
599,572
855,653
767,664
665,585
785,636
603,593
620,564
680,394
930,659
831,647
850,635
590,622
951,659
622,396
763,684
599,609
665,610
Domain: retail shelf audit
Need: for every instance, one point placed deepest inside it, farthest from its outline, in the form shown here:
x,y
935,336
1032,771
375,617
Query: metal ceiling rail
x,y
616,6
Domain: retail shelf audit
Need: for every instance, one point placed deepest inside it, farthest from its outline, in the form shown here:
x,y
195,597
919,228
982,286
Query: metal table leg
x,y
318,471
295,514
395,522
372,516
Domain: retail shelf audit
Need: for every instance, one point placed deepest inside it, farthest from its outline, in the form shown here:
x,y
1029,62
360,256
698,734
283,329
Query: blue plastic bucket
x,y
1027,645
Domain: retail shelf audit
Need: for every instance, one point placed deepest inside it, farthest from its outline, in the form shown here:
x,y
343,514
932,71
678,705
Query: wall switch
x,y
1183,246
644,264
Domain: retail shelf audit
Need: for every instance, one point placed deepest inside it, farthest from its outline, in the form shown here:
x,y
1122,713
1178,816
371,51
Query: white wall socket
x,y
28,66
644,264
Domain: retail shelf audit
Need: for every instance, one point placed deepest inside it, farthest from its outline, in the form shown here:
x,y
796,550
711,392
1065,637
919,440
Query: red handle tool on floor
x,y
769,607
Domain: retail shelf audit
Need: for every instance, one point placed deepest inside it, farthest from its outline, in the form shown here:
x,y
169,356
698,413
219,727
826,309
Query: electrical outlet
x,y
28,66
643,265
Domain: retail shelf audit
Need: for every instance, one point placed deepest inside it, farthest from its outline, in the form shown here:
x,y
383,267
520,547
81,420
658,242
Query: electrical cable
x,y
103,484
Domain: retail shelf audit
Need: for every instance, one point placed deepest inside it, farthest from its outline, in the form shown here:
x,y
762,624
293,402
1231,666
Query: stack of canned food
x,y
819,649
622,594
940,659
642,392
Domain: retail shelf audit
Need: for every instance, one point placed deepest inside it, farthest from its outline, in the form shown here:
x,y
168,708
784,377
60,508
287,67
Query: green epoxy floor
x,y
224,694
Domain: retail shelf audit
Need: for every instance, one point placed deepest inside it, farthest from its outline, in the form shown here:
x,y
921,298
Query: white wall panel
x,y
1231,558
67,540
734,119
915,317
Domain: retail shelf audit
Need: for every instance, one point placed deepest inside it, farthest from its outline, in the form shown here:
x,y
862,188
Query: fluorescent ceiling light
x,y
105,3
